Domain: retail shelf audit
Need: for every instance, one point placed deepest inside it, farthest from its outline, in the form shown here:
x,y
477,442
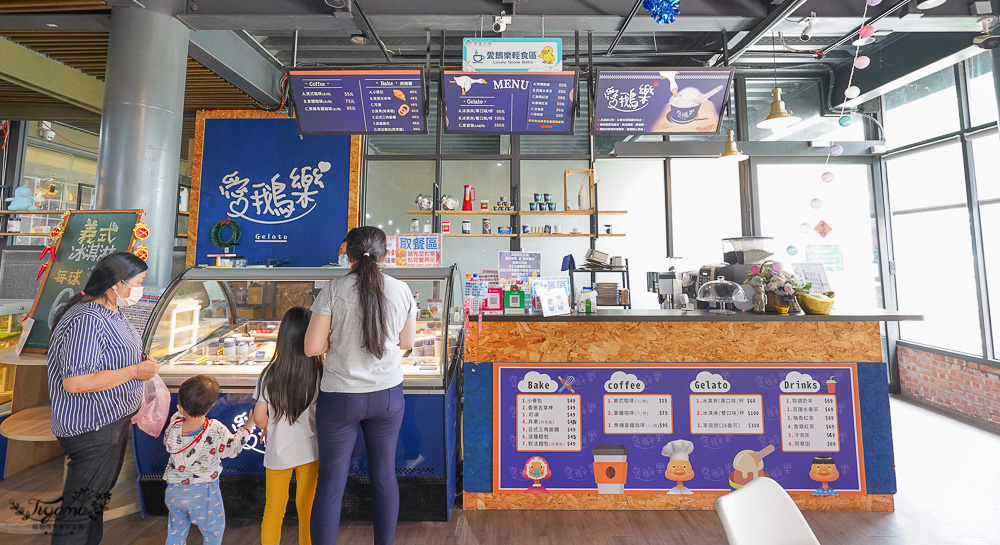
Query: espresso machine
x,y
667,286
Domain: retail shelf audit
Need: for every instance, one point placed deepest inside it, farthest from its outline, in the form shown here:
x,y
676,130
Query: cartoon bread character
x,y
536,469
400,257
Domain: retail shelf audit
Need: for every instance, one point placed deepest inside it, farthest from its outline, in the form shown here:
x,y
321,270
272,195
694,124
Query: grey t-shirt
x,y
349,367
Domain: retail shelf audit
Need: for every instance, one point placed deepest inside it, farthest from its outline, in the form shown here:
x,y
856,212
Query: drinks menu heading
x,y
676,428
498,102
359,101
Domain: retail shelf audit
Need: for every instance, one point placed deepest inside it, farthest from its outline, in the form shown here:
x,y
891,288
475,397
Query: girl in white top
x,y
286,410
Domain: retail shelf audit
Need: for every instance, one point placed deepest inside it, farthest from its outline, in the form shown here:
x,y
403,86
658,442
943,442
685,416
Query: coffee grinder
x,y
742,253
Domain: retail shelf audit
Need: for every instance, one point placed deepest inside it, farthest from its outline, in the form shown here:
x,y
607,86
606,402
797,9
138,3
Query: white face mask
x,y
134,295
342,260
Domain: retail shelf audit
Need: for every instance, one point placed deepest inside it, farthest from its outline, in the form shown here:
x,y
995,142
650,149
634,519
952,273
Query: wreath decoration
x,y
234,236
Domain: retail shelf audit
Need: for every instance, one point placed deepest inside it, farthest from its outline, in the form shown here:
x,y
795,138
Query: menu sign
x,y
358,101
661,102
676,428
87,236
497,102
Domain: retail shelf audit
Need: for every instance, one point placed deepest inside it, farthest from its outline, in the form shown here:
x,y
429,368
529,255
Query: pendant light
x,y
780,117
930,4
731,152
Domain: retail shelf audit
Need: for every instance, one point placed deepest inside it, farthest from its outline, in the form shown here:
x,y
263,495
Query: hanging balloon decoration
x,y
662,11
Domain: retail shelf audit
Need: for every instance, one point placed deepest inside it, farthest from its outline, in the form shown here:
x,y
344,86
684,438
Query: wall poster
x,y
676,428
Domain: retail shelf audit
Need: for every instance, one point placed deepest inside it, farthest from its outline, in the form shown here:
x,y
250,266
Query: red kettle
x,y
469,199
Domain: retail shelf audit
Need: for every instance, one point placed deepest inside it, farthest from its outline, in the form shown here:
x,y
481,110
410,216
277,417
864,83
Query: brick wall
x,y
965,387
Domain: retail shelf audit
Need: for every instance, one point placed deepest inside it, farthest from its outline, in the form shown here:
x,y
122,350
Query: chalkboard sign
x,y
359,101
88,235
501,102
666,101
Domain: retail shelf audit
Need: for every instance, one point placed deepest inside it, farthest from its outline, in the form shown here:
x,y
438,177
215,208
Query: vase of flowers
x,y
780,286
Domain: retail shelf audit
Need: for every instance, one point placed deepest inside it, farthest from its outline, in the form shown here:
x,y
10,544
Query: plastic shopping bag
x,y
153,412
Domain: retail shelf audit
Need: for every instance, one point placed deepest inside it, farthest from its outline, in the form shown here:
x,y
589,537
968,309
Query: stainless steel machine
x,y
667,286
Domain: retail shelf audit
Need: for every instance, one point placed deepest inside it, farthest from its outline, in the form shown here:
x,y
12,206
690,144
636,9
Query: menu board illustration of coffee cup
x,y
661,102
359,101
509,103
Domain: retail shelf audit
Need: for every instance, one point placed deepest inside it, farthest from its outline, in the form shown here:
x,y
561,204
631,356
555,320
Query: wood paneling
x,y
791,341
31,6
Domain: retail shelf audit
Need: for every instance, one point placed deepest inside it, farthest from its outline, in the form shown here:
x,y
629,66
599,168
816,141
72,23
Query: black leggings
x,y
94,461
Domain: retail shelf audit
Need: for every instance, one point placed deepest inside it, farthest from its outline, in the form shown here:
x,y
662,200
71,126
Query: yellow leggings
x,y
277,500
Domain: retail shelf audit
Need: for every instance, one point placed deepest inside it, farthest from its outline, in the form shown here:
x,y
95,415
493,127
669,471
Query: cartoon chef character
x,y
679,467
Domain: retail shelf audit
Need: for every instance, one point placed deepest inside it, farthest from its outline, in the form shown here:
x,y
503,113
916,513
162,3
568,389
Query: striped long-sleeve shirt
x,y
91,338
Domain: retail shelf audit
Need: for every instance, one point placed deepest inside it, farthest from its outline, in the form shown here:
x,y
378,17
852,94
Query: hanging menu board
x,y
676,428
660,102
87,236
500,102
359,101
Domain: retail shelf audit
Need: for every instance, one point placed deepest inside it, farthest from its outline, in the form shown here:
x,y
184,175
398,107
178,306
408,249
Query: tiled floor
x,y
949,494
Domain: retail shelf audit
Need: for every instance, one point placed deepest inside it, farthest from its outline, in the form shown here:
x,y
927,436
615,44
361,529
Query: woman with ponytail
x,y
360,321
96,367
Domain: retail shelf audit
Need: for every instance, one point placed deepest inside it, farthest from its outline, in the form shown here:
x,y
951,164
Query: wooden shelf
x,y
9,356
48,212
183,213
31,424
612,212
611,235
557,235
24,234
462,213
45,481
557,212
476,235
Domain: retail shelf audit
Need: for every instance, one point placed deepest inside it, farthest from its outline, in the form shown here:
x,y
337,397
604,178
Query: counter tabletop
x,y
663,315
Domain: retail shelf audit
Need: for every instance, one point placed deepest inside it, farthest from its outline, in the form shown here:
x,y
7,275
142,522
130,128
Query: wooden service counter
x,y
665,409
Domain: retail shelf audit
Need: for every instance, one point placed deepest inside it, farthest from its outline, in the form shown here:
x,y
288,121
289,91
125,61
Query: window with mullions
x,y
986,152
393,187
932,241
982,89
59,180
922,110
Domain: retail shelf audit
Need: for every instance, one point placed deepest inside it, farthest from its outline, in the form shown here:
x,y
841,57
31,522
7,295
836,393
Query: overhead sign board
x,y
359,101
512,54
660,102
497,102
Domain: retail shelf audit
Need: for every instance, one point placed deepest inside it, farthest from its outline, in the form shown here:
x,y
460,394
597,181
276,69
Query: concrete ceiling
x,y
248,43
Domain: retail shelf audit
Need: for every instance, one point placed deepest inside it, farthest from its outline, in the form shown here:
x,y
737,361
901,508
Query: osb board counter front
x,y
615,366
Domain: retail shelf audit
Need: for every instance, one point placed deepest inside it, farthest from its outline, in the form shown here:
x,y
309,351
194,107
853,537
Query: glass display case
x,y
224,322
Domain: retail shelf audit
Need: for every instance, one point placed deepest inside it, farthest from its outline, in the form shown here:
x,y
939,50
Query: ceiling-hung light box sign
x,y
661,102
506,103
359,101
512,54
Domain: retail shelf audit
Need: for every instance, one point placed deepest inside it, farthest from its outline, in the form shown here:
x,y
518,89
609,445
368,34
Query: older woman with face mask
x,y
96,367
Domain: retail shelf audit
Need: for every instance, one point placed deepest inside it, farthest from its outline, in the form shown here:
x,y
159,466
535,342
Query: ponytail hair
x,y
108,272
366,246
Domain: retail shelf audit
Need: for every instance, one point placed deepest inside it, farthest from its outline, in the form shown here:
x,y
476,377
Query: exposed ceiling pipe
x,y
621,31
763,28
892,9
371,30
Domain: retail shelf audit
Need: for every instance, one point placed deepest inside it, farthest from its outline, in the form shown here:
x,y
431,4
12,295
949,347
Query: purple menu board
x,y
676,428
358,101
502,102
661,102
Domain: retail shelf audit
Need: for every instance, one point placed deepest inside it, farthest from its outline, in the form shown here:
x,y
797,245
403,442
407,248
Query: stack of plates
x,y
607,293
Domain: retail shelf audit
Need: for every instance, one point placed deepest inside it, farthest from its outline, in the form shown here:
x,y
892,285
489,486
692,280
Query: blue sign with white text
x,y
359,101
497,102
288,193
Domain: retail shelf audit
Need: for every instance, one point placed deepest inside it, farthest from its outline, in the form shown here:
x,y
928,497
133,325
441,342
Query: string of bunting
x,y
662,11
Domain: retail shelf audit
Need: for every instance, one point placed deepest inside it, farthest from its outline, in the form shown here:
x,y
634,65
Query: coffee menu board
x,y
359,101
506,103
676,428
660,102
